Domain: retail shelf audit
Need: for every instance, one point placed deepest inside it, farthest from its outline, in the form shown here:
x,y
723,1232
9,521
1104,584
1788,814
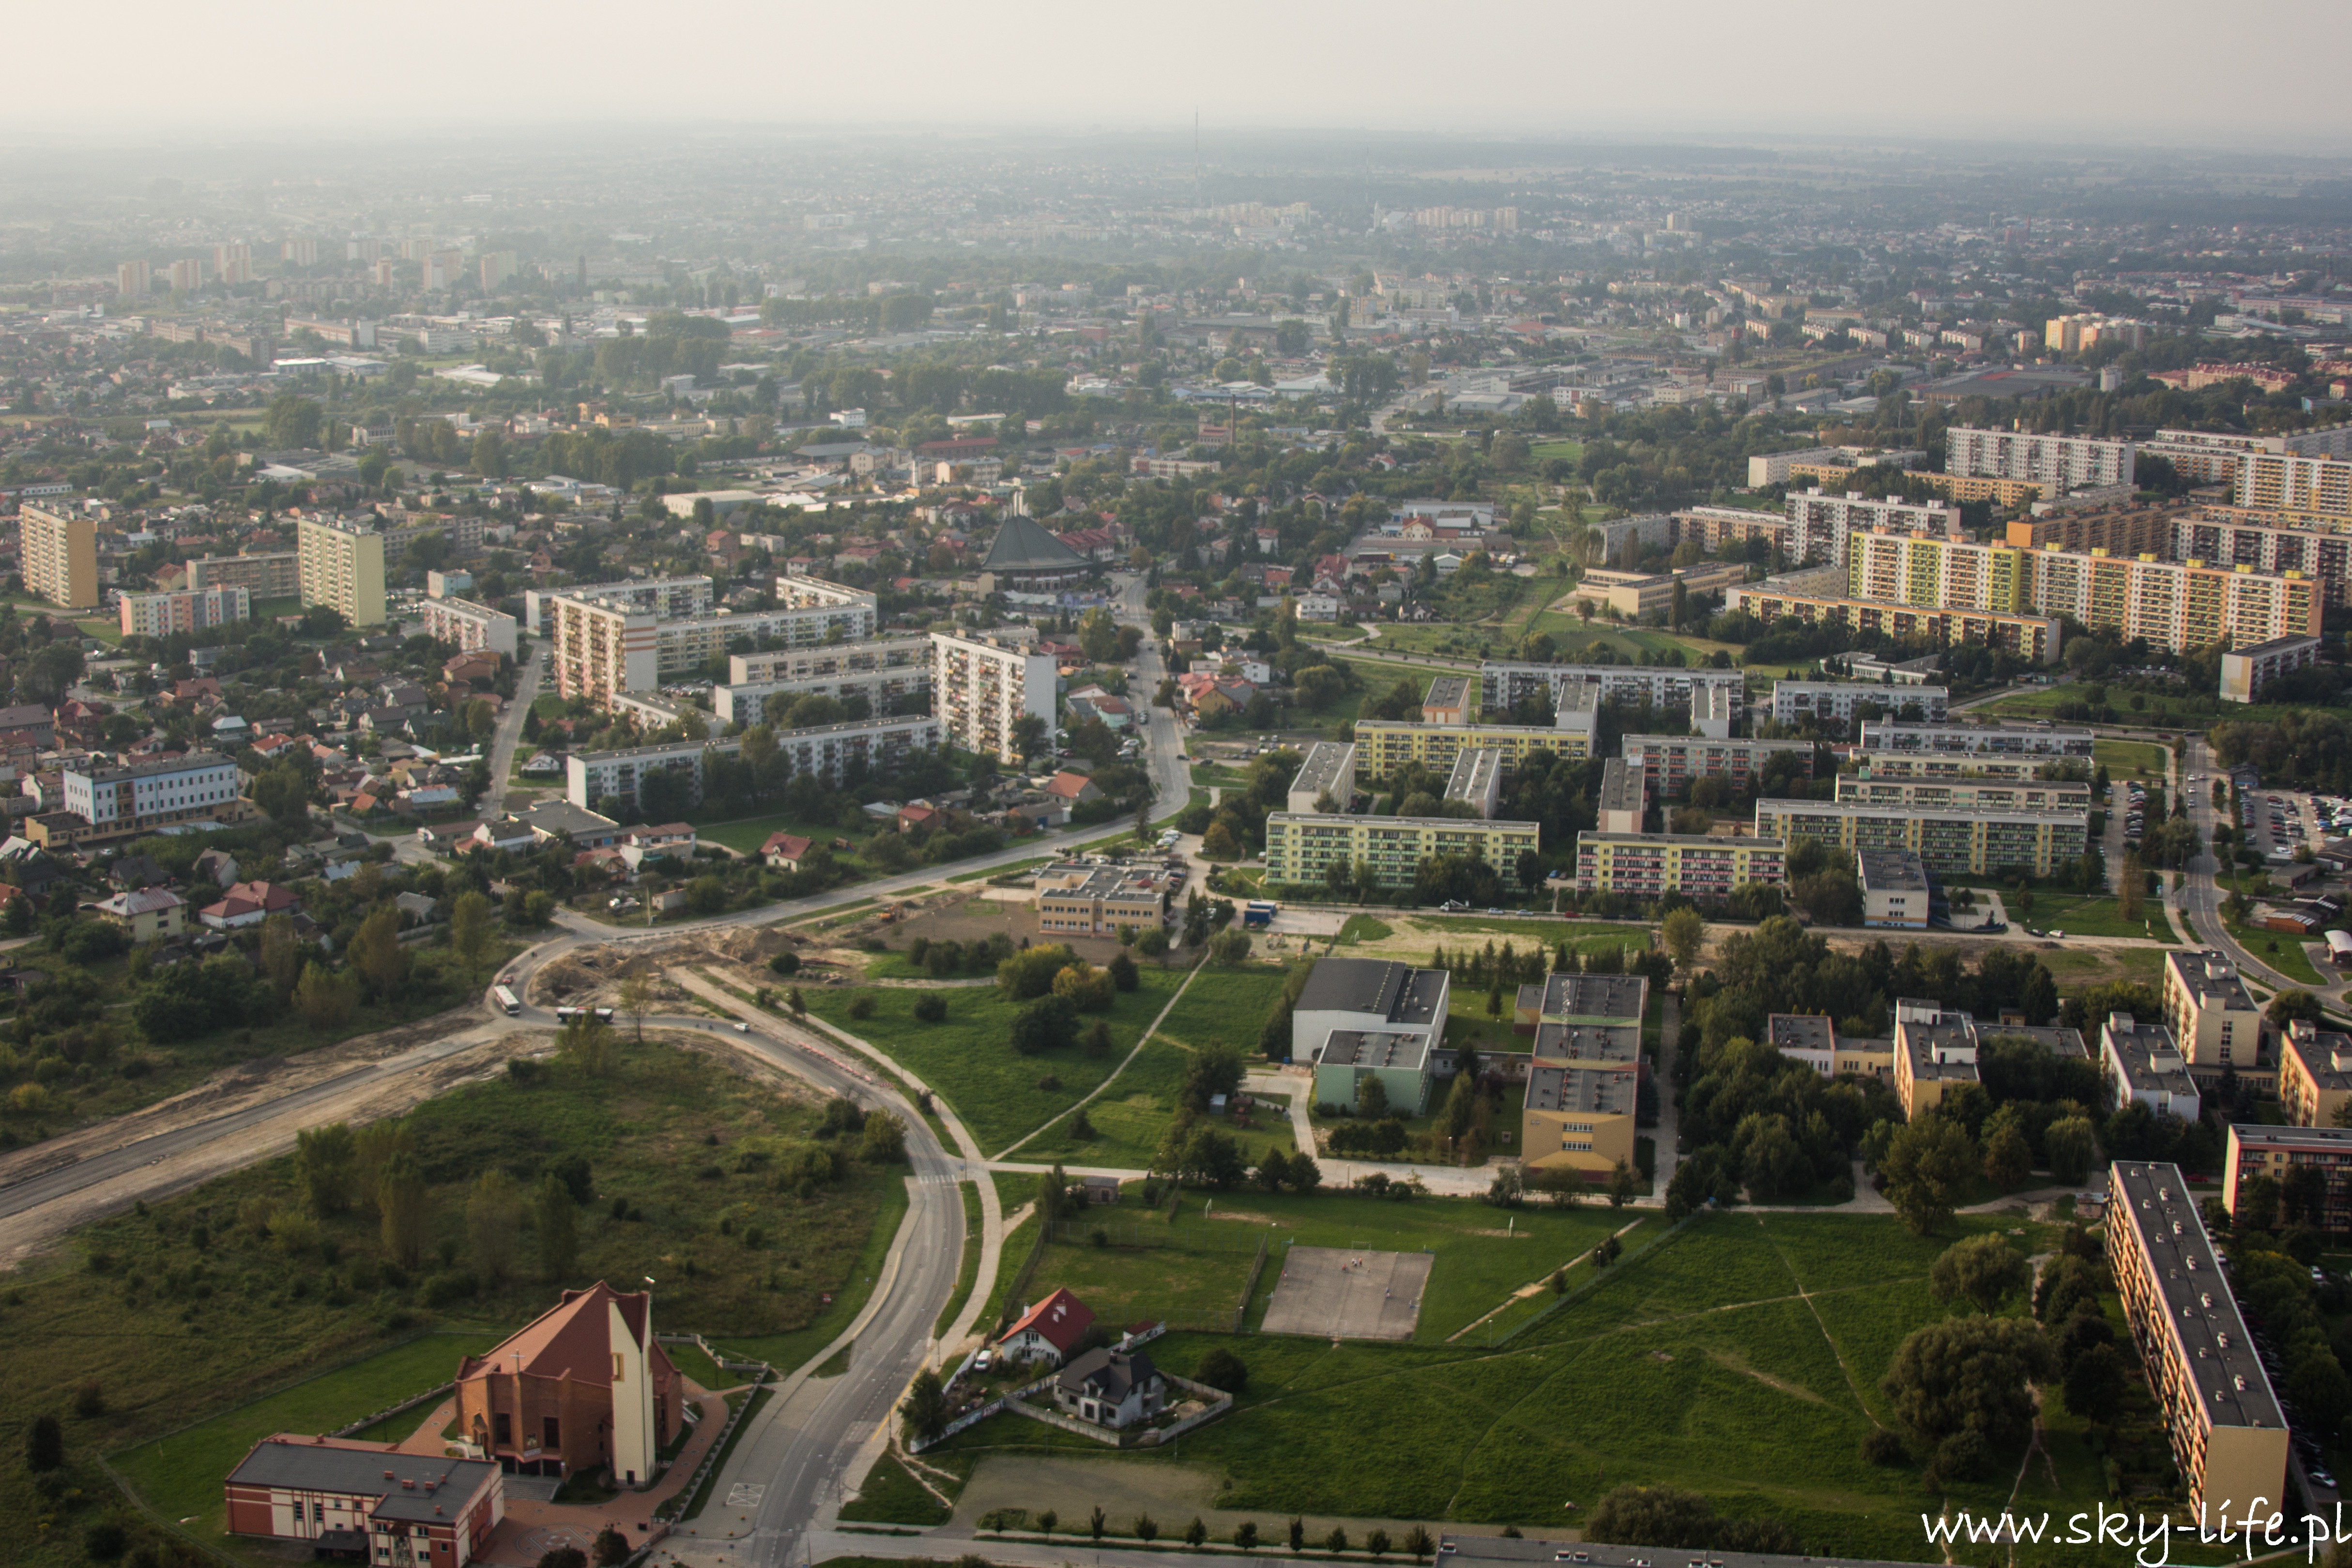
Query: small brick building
x,y
366,1501
584,1387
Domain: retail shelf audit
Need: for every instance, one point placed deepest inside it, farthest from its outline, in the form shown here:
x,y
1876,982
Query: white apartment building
x,y
273,574
607,645
161,614
1795,701
2056,463
1502,684
759,701
1820,523
56,555
200,784
670,598
470,627
981,688
834,752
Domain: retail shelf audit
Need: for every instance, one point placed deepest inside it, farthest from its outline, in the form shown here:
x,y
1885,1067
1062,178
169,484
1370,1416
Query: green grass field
x,y
851,1286
968,1270
2094,914
2140,759
181,1474
889,1495
1132,1117
967,1058
1740,1361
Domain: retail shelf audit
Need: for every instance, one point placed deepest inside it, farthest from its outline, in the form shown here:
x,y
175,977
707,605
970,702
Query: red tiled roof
x,y
1060,1319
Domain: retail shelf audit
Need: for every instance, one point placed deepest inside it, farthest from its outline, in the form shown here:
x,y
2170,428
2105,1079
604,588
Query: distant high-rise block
x,y
498,267
187,276
58,556
232,263
134,279
299,251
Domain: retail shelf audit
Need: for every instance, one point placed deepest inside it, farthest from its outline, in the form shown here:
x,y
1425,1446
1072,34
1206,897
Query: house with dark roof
x,y
586,1387
366,1501
1049,1330
1111,1387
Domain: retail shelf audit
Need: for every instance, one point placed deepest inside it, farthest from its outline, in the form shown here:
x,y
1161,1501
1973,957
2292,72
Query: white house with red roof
x,y
787,850
1049,1330
248,903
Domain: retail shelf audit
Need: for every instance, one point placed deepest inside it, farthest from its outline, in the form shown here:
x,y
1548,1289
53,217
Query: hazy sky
x,y
2251,73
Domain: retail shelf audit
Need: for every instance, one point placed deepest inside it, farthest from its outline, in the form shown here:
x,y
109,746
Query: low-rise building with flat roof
x,y
1399,1059
1329,771
2015,739
1715,710
2141,1061
1894,890
1615,1000
1370,996
1814,1040
1477,781
1668,764
1580,1113
1076,900
2026,793
2228,1435
1793,701
1935,1048
1951,841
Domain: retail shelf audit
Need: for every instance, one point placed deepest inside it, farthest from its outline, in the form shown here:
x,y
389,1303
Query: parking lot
x,y
2278,821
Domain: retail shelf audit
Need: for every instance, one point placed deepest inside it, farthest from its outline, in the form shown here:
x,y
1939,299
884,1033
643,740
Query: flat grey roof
x,y
1474,768
1447,691
1621,788
1588,1042
1892,871
1373,1048
1594,996
1381,987
1609,1092
1326,760
2199,1307
325,1468
1800,1031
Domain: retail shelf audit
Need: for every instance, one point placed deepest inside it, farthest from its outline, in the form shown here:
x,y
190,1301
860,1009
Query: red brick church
x,y
584,1387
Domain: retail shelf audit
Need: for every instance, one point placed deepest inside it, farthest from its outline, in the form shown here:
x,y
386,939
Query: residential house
x,y
670,838
785,851
1113,1388
147,913
1074,787
248,903
1049,1330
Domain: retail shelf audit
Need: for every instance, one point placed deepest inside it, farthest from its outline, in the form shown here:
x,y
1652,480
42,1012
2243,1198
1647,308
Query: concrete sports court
x,y
1345,1294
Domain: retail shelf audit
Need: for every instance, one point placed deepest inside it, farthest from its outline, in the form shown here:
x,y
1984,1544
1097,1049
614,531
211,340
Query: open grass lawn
x,y
2093,915
188,1310
181,1474
1741,1361
851,1285
1131,1119
2141,760
889,1495
1227,1007
747,833
1196,1279
690,1360
969,1060
2281,950
2199,710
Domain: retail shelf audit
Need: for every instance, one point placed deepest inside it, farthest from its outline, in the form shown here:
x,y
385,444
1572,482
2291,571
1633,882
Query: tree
x,y
323,1164
1928,1166
1622,1186
884,1140
1969,1374
2071,1145
469,928
1685,932
1668,1516
45,1445
1297,1535
401,1203
924,1410
2290,1006
559,1234
493,1221
611,1548
2095,1384
1245,1535
585,1045
1221,1368
1049,1023
1196,1532
1229,948
378,953
324,999
637,1000
1985,1269
1372,1097
1418,1543
1377,1541
2008,1158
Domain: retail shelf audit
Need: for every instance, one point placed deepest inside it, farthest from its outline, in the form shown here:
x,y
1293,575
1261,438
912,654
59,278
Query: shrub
x,y
932,1007
863,1008
785,963
89,1400
105,1541
1882,1447
1221,1368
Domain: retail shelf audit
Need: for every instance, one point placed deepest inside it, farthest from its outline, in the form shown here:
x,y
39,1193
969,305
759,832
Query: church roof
x,y
1023,544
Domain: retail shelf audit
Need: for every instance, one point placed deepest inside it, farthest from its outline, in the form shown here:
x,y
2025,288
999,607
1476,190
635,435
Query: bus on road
x,y
508,1002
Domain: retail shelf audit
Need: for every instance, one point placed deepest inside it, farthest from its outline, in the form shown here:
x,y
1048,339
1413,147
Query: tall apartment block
x,y
2057,463
667,598
469,627
981,688
609,644
2176,605
2228,1435
1697,865
134,279
58,556
1383,746
2282,481
2035,638
2213,1017
2257,1151
341,568
1667,763
189,610
273,574
1819,525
